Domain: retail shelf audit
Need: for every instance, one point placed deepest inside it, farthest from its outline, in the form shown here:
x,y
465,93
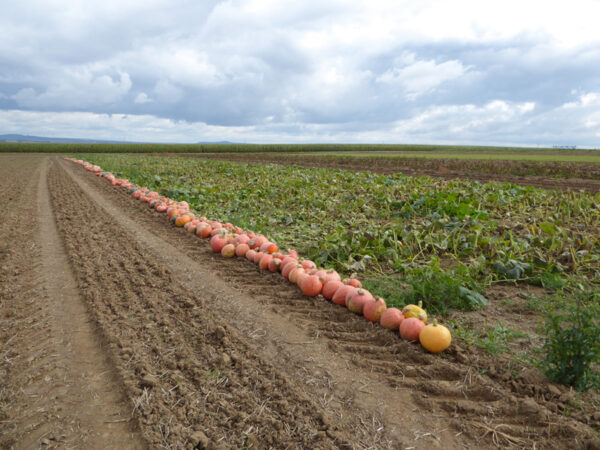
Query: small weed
x,y
495,340
572,344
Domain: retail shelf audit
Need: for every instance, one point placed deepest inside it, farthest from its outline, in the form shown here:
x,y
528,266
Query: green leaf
x,y
548,228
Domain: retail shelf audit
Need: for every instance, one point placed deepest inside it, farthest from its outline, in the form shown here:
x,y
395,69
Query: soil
x,y
119,330
574,176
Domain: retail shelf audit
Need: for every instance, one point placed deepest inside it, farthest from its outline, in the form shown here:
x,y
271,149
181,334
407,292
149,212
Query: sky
x,y
265,71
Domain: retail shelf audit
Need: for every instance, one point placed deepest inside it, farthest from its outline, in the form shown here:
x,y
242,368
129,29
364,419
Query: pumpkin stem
x,y
435,322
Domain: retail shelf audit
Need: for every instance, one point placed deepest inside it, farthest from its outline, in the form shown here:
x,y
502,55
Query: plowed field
x,y
120,331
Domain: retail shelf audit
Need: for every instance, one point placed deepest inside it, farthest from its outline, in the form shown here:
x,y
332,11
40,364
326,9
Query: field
x,y
196,348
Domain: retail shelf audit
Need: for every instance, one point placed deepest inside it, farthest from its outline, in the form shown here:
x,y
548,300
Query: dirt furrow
x,y
445,398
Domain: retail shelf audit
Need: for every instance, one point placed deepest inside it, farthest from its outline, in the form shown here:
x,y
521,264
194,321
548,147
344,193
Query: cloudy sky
x,y
375,71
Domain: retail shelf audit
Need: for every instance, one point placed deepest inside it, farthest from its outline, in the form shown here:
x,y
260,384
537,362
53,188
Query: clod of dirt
x,y
225,359
149,381
592,444
528,407
200,440
553,390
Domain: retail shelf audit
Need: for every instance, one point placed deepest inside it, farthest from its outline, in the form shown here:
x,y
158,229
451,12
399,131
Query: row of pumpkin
x,y
232,241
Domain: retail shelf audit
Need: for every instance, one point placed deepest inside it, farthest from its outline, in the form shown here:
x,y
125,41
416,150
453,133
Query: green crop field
x,y
367,149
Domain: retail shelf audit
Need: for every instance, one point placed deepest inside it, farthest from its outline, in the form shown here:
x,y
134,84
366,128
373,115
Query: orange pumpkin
x,y
183,219
308,264
391,318
274,264
357,300
289,266
264,261
339,298
411,328
241,250
217,242
353,282
301,277
312,285
373,309
228,251
435,337
330,287
293,276
250,255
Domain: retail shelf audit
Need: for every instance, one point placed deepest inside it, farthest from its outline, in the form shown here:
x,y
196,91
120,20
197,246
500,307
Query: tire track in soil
x,y
61,390
479,407
85,383
20,312
192,377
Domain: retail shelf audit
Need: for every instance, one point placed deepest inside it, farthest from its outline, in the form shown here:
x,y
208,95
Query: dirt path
x,y
216,352
69,394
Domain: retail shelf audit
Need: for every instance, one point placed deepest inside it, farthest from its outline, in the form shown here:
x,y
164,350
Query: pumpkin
x,y
183,219
241,239
258,257
332,275
250,254
308,264
411,328
415,311
268,247
391,318
241,250
373,309
339,298
301,277
217,242
330,287
228,251
435,337
293,276
356,300
203,230
274,264
264,261
312,285
352,282
288,267
287,259
257,242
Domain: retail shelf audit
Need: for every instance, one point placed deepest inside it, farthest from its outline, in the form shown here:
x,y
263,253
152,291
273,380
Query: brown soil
x,y
203,350
547,175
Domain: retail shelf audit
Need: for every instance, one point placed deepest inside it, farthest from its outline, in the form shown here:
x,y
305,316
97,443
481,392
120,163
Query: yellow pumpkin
x,y
415,311
435,337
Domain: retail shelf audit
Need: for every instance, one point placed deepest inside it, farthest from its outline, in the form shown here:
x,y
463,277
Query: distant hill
x,y
25,138
42,139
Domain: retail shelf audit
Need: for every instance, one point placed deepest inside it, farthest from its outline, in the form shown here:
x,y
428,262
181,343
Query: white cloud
x,y
418,77
142,98
76,89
